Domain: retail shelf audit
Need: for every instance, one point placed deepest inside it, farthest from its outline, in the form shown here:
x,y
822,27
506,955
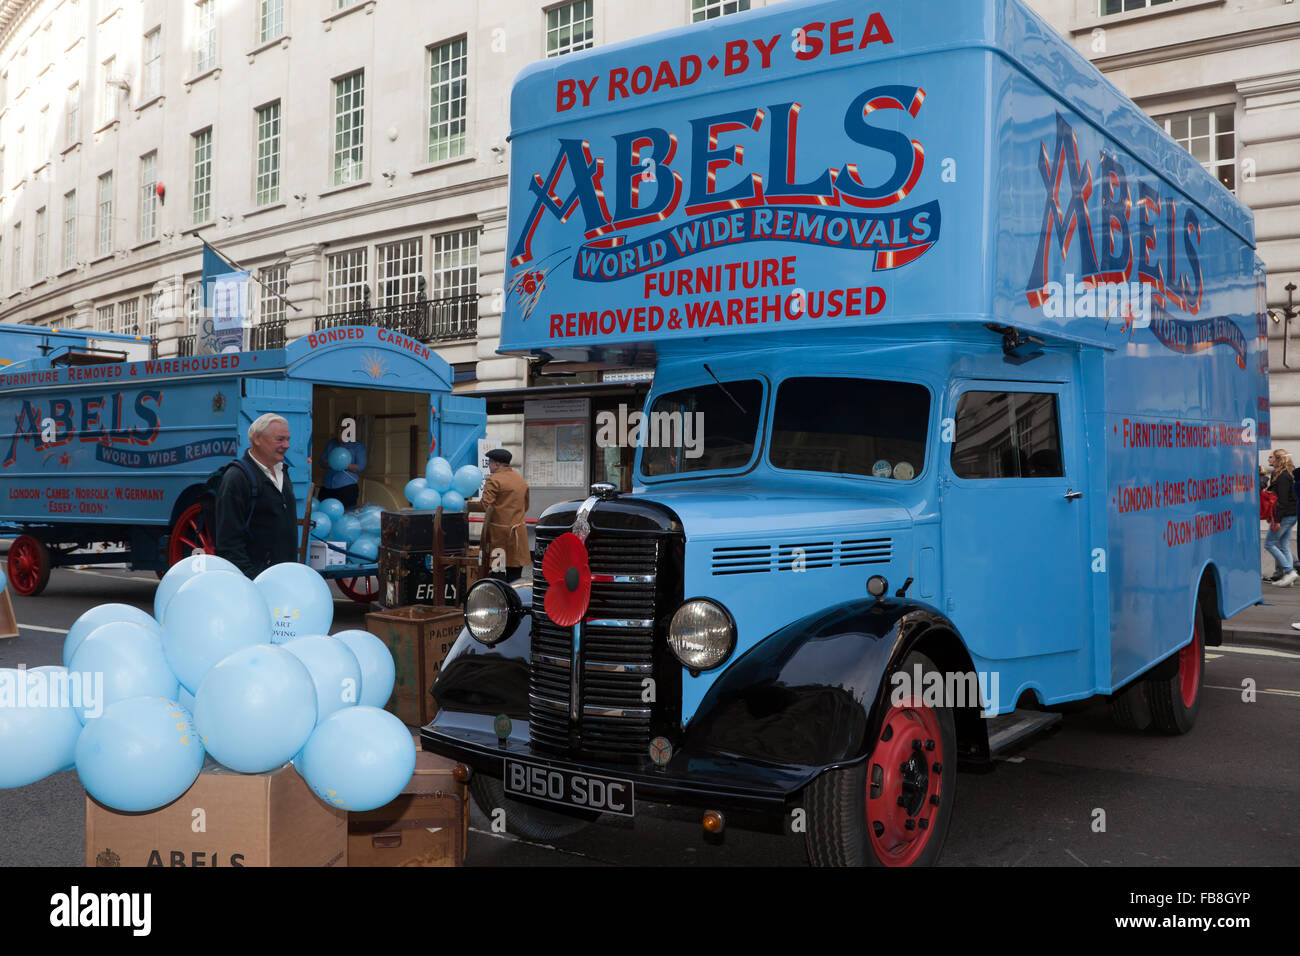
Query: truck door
x,y
1015,569
458,422
289,398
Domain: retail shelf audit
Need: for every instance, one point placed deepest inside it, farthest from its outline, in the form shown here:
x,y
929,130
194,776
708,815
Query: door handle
x,y
1071,495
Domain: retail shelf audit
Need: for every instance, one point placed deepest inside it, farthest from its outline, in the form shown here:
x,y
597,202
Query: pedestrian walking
x,y
505,536
1282,483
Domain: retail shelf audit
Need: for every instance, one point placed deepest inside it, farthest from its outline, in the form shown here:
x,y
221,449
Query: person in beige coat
x,y
506,495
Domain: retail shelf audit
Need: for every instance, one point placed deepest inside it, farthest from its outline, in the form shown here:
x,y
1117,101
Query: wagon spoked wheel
x,y
29,565
189,534
361,590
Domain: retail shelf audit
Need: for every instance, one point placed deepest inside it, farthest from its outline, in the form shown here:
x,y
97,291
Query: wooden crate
x,y
419,638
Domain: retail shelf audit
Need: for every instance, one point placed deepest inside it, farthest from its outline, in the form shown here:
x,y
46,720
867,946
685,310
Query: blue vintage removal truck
x,y
977,356
120,451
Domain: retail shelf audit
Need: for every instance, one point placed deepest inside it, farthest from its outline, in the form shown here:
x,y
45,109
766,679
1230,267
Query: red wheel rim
x,y
903,785
189,535
361,590
25,565
1189,669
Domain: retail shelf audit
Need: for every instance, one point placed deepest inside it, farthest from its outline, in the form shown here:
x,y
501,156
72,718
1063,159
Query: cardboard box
x,y
264,819
428,825
321,554
419,638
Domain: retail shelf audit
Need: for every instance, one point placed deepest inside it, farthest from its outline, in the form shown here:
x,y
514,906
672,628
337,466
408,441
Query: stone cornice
x,y
1204,46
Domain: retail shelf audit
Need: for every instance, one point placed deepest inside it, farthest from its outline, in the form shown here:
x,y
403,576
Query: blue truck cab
x,y
960,381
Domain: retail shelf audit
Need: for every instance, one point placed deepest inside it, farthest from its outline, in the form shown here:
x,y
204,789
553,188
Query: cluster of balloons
x,y
440,487
238,670
358,529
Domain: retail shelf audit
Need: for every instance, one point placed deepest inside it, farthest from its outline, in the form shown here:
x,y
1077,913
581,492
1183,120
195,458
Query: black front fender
x,y
477,679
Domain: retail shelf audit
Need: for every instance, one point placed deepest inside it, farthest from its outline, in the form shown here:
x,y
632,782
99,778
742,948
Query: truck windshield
x,y
705,428
851,426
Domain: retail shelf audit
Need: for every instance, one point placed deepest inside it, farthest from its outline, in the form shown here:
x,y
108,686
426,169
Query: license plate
x,y
584,791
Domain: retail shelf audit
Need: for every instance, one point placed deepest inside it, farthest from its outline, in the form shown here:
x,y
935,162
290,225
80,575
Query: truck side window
x,y
1007,435
851,426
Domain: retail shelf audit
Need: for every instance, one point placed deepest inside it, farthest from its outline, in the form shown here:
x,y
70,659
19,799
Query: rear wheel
x,y
190,535
1176,699
894,808
525,819
361,590
28,565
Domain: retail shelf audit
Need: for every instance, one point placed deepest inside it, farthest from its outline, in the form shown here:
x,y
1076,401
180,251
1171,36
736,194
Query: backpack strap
x,y
254,484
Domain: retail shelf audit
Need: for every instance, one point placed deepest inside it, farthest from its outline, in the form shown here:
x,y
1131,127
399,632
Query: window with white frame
x,y
569,27
43,136
39,258
150,314
400,265
205,35
270,20
72,116
193,306
107,92
20,160
16,276
151,74
345,281
128,316
448,99
349,128
69,229
709,9
344,4
1209,135
267,185
201,180
1107,7
104,216
104,319
149,196
274,286
455,264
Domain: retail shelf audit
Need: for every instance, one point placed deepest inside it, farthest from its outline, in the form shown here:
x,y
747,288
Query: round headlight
x,y
702,634
492,611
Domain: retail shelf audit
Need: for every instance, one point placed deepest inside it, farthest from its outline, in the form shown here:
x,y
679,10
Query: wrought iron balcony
x,y
268,334
185,345
433,320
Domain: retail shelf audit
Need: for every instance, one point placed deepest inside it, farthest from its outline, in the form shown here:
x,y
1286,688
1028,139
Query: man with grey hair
x,y
256,516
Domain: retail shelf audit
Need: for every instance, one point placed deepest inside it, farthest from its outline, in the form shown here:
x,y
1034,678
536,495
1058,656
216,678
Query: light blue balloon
x,y
212,616
182,571
256,708
332,507
347,528
106,614
140,755
467,480
378,672
334,670
452,502
338,459
413,488
185,698
438,474
321,525
371,522
365,547
37,732
299,600
4,581
121,660
370,508
428,500
358,758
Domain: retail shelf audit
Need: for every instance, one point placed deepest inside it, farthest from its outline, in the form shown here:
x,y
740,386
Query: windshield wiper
x,y
724,390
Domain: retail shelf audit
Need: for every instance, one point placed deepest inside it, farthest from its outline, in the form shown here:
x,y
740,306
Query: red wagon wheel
x,y
361,590
189,534
29,565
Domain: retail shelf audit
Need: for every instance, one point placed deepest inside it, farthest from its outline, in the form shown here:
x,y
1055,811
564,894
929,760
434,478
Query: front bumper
x,y
711,782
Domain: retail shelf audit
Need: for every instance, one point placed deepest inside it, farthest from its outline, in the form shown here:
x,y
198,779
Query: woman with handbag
x,y
1282,484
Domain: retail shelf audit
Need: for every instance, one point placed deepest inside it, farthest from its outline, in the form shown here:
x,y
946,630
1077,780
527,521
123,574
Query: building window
x,y
150,328
267,187
202,179
69,229
72,118
104,216
400,267
455,278
344,4
43,137
345,281
1208,135
709,9
270,20
104,319
129,313
448,96
20,160
107,92
275,285
149,196
569,27
39,261
205,35
151,75
16,276
193,306
1123,6
349,128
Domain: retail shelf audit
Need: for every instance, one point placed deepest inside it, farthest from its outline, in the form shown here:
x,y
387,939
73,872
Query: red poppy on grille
x,y
568,579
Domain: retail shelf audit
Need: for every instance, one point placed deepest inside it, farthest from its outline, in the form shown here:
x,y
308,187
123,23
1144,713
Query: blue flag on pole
x,y
225,305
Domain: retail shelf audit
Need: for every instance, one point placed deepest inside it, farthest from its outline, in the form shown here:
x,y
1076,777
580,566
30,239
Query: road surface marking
x,y
1259,652
1071,852
121,577
37,627
1271,690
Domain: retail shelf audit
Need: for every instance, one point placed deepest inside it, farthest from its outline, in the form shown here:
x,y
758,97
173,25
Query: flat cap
x,y
500,454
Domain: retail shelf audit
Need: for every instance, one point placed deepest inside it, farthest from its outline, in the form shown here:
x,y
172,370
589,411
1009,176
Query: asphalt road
x,y
1228,794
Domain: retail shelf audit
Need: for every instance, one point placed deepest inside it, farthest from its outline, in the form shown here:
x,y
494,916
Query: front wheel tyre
x,y
526,820
1176,699
893,809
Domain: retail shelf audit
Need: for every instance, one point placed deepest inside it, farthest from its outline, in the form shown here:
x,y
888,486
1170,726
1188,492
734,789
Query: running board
x,y
1010,729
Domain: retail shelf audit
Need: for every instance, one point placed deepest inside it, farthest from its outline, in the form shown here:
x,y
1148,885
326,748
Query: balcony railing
x,y
434,320
267,334
185,345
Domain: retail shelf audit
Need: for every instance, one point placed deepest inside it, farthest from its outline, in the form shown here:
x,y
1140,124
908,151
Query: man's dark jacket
x,y
271,537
